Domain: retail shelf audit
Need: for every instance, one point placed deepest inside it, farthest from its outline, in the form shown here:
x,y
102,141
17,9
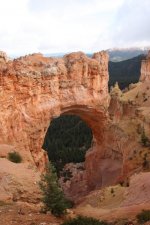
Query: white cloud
x,y
70,25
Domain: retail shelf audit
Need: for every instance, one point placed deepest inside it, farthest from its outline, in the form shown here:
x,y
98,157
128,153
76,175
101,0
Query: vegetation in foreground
x,y
53,197
144,216
80,220
144,139
14,157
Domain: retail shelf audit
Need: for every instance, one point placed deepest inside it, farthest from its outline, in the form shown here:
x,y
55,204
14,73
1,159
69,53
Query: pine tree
x,y
53,197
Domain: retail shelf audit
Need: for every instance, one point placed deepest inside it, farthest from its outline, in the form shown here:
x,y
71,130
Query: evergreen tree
x,y
67,140
53,197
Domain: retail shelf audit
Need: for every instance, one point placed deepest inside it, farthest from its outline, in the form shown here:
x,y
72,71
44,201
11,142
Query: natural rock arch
x,y
34,89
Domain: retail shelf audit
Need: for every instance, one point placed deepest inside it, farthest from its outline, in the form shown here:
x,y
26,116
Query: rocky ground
x,y
118,203
24,214
118,216
28,214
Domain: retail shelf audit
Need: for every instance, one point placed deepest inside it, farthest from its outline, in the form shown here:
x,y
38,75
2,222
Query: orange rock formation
x,y
145,69
34,89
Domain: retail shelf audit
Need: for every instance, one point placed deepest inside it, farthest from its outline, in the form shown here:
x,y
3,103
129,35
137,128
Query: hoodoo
x,y
145,69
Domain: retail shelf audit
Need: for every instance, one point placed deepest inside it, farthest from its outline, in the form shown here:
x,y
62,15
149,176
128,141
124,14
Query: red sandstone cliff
x,y
34,89
145,69
130,111
129,116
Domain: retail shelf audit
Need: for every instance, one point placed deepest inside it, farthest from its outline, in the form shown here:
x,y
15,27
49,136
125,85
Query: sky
x,y
54,26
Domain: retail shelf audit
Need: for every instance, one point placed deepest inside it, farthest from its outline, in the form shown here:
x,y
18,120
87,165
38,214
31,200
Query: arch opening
x,y
78,178
67,140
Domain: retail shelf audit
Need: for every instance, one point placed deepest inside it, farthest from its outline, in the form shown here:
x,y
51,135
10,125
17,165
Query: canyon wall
x,y
35,89
121,154
130,112
145,69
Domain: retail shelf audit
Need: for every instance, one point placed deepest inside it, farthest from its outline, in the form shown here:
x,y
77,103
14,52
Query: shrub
x,y
121,183
14,157
144,216
112,191
53,197
145,164
122,221
144,139
80,220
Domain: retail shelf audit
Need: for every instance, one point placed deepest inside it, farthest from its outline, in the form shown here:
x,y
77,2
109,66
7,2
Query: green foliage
x,y
122,221
67,140
112,191
53,197
80,220
144,139
144,216
14,157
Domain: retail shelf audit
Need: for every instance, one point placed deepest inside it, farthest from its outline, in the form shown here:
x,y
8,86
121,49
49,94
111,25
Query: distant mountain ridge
x,y
115,54
125,72
121,54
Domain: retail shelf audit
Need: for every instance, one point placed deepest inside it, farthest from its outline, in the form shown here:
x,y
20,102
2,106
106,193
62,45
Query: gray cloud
x,y
72,25
132,24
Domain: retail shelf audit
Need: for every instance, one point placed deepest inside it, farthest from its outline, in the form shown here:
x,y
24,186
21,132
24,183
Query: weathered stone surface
x,y
130,111
3,57
139,190
73,180
19,182
145,69
34,89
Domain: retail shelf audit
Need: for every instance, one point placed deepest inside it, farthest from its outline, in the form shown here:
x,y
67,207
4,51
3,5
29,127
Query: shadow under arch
x,y
67,140
104,166
97,120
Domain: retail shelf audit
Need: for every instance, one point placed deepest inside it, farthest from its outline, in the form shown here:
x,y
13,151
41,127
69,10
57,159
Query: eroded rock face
x,y
34,89
3,57
130,111
123,152
19,182
73,180
139,190
145,69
